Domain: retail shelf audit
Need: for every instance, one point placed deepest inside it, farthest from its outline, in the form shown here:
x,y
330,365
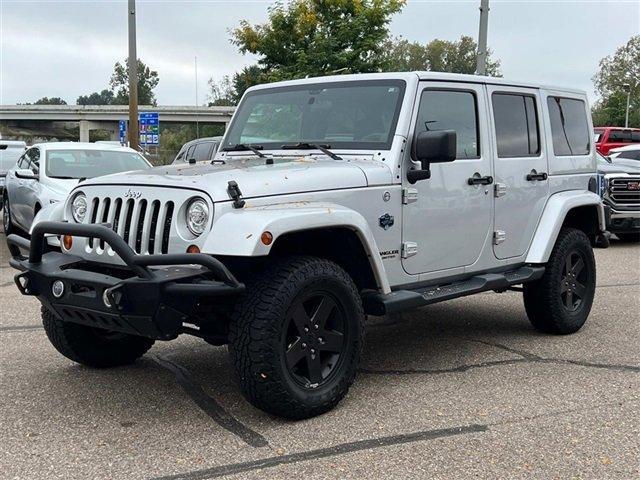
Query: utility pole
x,y
627,87
481,67
134,136
195,62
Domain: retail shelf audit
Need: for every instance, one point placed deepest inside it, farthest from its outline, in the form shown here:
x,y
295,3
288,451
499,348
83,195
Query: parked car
x,y
10,151
329,199
199,150
619,181
47,172
630,152
607,138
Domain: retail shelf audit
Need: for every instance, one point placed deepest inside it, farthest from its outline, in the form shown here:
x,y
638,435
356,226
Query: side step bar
x,y
400,300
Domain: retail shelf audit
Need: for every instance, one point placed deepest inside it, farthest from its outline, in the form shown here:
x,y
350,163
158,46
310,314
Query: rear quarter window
x,y
569,126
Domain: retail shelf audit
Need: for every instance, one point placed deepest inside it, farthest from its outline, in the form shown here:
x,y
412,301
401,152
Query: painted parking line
x,y
320,453
209,405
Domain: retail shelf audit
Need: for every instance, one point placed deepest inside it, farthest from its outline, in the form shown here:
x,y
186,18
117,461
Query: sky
x,y
68,48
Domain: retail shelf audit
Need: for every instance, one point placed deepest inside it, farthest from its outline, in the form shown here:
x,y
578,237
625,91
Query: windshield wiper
x,y
312,146
239,147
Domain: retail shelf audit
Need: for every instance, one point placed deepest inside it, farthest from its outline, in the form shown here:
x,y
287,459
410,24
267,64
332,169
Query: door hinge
x,y
499,190
409,249
499,236
409,195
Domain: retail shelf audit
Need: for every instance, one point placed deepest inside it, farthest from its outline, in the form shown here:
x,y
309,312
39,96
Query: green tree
x,y
147,80
460,56
318,37
105,97
222,92
50,101
623,67
247,77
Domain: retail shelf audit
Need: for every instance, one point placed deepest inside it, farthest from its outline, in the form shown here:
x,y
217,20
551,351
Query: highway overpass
x,y
43,119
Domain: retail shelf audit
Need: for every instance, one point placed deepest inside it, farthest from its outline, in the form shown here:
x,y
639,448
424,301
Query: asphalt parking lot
x,y
464,388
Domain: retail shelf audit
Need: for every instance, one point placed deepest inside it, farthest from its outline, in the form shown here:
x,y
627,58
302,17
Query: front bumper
x,y
136,299
622,221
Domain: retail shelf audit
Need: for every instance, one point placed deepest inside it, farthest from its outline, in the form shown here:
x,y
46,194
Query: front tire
x,y
7,221
559,303
296,337
93,347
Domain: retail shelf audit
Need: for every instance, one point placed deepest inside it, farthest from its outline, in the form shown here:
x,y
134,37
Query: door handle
x,y
477,179
536,177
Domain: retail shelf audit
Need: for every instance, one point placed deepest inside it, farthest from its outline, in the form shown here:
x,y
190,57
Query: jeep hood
x,y
255,178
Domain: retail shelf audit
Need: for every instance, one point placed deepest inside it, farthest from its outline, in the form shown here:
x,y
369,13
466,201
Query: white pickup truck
x,y
329,199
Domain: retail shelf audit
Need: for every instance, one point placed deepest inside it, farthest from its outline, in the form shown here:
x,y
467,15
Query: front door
x,y
520,168
449,220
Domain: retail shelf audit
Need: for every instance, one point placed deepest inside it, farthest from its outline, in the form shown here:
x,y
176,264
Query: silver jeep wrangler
x,y
329,199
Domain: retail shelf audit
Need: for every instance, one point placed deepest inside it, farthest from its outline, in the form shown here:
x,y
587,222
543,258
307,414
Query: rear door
x,y
521,173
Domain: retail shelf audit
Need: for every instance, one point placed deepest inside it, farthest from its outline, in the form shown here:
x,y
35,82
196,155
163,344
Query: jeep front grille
x,y
144,224
621,194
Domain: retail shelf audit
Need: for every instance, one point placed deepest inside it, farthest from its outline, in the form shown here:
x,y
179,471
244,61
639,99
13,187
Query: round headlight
x,y
79,207
197,216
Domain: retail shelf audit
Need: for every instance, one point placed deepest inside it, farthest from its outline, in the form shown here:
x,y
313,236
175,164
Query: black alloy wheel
x,y
314,339
572,288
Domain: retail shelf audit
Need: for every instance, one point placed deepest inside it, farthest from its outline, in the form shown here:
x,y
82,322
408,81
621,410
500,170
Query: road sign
x,y
122,129
149,128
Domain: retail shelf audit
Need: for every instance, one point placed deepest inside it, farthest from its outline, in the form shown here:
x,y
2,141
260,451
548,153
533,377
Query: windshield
x,y
347,115
91,163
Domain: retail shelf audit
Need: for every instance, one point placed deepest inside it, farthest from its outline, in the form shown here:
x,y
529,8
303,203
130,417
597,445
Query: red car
x,y
614,137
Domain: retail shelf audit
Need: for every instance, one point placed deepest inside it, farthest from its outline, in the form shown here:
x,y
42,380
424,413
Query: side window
x,y
632,154
516,121
569,126
34,156
451,110
189,154
201,151
618,136
635,137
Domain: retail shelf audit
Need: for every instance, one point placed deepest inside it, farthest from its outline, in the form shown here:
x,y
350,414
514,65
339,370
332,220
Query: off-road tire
x,y
260,323
543,300
633,237
91,346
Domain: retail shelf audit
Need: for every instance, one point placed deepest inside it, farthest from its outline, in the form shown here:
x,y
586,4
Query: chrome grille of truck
x,y
144,224
621,194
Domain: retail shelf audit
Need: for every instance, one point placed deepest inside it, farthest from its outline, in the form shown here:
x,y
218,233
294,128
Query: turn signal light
x,y
67,242
266,238
193,249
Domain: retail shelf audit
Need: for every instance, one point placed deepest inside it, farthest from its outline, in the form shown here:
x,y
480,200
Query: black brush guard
x,y
132,299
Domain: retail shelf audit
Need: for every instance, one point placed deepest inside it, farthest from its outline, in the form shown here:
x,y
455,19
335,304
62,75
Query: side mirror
x,y
432,147
26,174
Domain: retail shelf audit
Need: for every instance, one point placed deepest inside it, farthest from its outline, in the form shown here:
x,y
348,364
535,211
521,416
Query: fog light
x,y
67,242
266,238
193,249
57,289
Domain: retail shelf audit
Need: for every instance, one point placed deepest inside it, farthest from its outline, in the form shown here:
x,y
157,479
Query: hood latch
x,y
236,195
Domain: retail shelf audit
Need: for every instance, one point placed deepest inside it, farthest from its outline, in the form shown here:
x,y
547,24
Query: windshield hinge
x,y
409,195
236,195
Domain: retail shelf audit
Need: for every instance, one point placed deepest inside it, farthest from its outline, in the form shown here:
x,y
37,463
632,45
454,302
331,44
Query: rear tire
x,y
633,237
93,347
296,336
559,303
